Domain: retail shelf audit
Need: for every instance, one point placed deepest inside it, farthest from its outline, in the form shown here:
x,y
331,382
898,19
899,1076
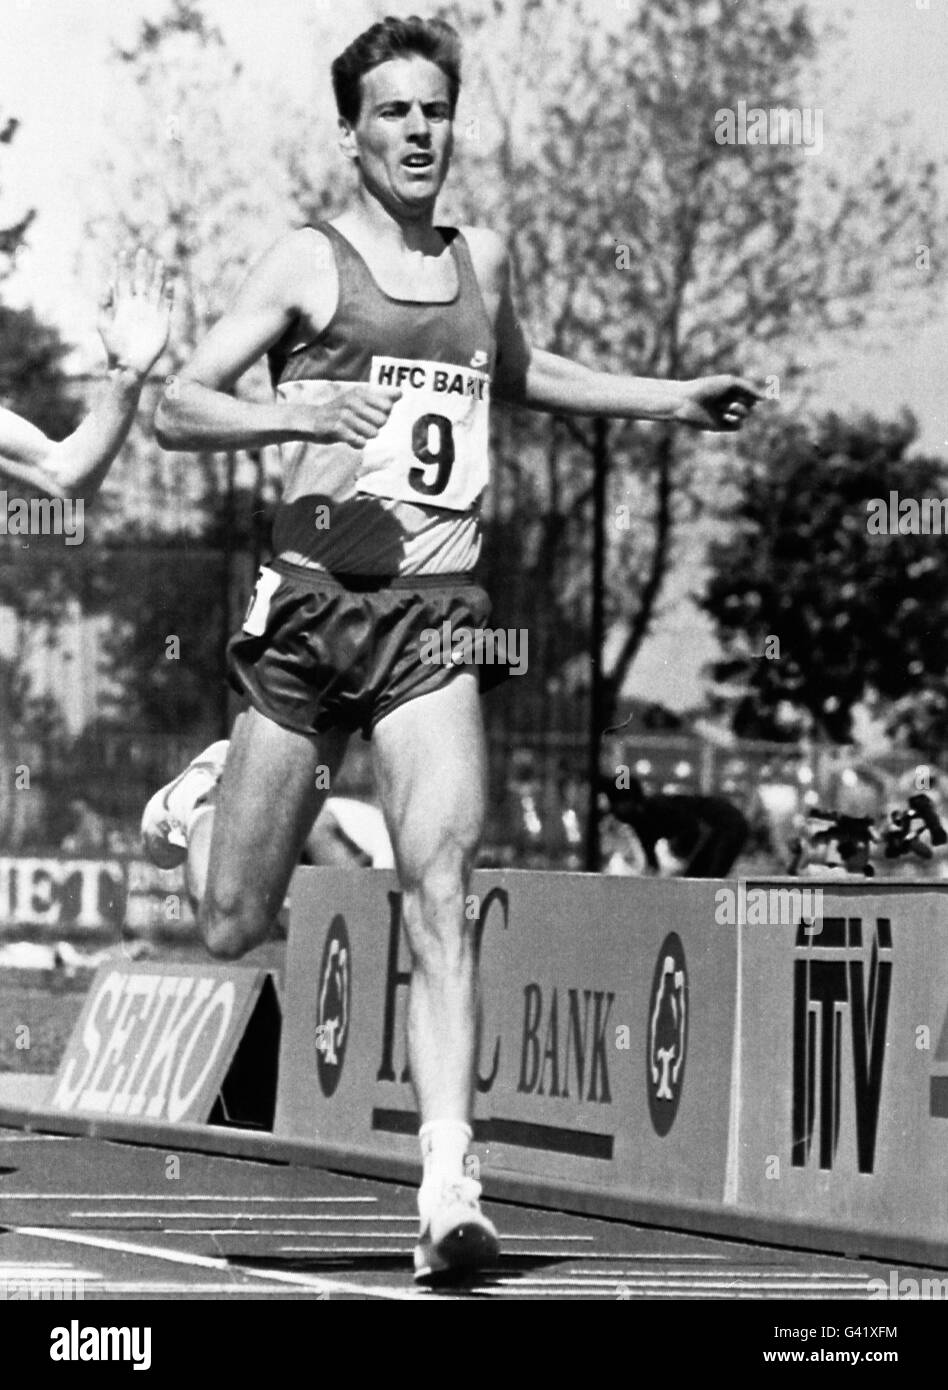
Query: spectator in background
x,y
704,834
570,791
89,834
525,825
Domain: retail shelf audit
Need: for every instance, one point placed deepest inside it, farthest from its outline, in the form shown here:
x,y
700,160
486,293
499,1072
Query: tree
x,y
32,381
642,243
12,237
34,384
196,177
812,607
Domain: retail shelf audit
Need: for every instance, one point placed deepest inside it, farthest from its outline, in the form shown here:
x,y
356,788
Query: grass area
x,y
47,1011
48,1006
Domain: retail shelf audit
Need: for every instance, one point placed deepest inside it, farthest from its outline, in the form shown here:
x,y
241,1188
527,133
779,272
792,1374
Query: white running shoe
x,y
456,1237
166,817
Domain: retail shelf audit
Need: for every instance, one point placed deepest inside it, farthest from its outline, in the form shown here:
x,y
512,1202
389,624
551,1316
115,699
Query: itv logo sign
x,y
836,985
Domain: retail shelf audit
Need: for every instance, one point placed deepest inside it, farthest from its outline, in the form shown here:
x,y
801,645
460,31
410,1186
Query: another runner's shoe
x,y
165,822
456,1237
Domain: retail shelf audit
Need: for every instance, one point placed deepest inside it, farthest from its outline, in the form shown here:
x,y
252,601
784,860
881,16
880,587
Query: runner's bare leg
x,y
269,796
431,773
326,843
200,833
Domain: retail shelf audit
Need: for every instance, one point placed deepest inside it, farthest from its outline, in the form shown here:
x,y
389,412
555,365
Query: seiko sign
x,y
147,1043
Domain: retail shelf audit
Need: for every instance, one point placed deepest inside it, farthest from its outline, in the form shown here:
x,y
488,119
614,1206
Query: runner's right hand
x,y
354,417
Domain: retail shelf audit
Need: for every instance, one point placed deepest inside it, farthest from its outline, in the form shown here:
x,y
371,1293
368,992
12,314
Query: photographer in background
x,y
704,834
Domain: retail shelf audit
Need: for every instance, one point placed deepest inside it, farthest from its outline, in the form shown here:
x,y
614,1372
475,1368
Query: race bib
x,y
432,450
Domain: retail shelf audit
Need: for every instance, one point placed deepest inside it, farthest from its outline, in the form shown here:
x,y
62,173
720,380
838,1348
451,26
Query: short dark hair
x,y
433,39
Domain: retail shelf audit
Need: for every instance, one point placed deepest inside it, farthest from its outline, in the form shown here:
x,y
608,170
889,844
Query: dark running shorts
x,y
316,654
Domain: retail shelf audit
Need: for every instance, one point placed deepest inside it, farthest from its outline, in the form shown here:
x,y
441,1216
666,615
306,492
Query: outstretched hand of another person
x,y
135,312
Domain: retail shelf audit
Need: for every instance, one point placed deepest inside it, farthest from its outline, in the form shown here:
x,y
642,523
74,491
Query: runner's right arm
x,y
198,412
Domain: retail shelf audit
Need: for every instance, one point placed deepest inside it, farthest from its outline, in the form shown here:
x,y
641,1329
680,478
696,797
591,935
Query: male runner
x,y
386,337
133,324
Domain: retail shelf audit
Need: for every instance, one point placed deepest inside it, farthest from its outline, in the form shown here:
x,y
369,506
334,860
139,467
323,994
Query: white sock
x,y
444,1144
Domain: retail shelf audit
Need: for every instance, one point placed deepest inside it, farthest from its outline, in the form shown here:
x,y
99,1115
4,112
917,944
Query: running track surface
x,y
111,1215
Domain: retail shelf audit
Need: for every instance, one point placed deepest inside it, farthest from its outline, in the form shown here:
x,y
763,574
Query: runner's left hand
x,y
717,402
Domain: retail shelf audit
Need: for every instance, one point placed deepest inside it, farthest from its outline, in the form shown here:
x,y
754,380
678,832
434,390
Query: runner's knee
x,y
439,873
231,927
436,889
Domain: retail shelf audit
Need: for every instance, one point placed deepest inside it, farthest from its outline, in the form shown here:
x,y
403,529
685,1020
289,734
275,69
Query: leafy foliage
x,y
12,236
855,613
593,146
639,244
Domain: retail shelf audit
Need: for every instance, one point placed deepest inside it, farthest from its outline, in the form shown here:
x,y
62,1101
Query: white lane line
x,y
704,1286
698,1295
741,1272
182,1257
192,1291
254,1216
587,1256
17,1264
160,1197
410,1293
356,1251
258,1218
406,1237
501,1289
743,1278
35,1138
771,1275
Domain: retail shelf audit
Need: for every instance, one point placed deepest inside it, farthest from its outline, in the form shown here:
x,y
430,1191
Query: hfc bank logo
x,y
667,1034
333,1005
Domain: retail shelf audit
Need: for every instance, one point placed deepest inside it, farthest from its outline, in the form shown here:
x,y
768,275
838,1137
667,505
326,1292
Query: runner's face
x,y
404,135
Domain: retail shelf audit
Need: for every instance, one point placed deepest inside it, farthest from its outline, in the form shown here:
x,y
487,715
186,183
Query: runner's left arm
x,y
540,380
134,322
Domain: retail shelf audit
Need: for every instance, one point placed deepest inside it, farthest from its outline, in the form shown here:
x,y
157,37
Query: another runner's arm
x,y
134,322
75,467
541,380
198,410
23,452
